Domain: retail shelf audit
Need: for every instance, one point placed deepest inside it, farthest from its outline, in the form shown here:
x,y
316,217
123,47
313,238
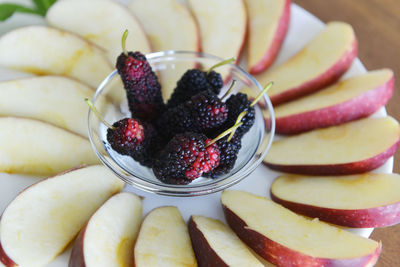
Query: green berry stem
x,y
224,133
221,64
96,112
239,118
230,89
266,88
123,42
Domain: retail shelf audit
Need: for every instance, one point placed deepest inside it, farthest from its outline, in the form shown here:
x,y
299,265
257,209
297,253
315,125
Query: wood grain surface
x,y
377,27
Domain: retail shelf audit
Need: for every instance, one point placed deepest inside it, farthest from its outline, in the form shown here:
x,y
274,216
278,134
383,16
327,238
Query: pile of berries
x,y
178,140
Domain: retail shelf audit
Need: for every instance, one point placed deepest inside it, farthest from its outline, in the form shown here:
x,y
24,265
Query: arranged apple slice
x,y
109,236
34,147
366,200
54,99
318,64
160,20
215,244
164,240
42,50
268,25
344,101
101,22
40,222
287,239
350,148
223,27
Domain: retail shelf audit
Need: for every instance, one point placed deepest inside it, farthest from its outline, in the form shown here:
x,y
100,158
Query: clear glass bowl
x,y
169,66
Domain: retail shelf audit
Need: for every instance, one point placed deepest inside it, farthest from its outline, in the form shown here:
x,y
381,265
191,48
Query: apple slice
x,y
318,64
223,26
347,100
268,25
169,25
215,244
164,240
43,50
287,239
362,201
34,147
350,148
54,99
109,236
101,22
40,222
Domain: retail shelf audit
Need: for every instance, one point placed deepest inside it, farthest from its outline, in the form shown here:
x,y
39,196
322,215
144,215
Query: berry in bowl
x,y
175,123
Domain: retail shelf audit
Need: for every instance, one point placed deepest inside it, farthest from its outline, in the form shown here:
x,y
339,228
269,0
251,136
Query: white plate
x,y
303,27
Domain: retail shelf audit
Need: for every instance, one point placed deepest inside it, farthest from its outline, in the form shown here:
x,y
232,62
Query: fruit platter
x,y
258,134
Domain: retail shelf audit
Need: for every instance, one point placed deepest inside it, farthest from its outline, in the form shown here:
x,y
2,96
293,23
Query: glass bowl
x,y
169,66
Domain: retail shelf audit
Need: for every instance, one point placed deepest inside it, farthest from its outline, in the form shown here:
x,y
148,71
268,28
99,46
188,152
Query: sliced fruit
x,y
319,64
160,20
344,101
54,99
34,147
102,24
164,240
40,222
268,25
109,236
365,200
350,148
43,50
287,239
215,244
223,26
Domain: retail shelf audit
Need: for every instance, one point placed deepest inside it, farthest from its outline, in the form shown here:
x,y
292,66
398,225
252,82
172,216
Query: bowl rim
x,y
190,189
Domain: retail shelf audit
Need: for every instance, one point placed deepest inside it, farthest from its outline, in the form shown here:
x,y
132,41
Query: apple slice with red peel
x,y
40,222
350,148
47,98
319,64
109,236
215,244
101,22
164,240
287,239
362,201
268,25
34,147
44,50
347,100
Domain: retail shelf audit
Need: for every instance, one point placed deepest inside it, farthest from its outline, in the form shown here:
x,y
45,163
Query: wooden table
x,y
377,27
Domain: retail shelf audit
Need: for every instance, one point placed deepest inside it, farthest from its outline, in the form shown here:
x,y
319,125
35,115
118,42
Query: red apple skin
x,y
77,257
353,109
4,259
276,44
362,218
338,169
282,256
330,76
205,255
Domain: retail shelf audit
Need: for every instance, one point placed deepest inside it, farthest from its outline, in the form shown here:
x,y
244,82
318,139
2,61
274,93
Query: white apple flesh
x,y
43,219
361,201
268,25
351,148
215,244
164,240
109,236
320,63
101,22
34,147
43,50
347,100
287,239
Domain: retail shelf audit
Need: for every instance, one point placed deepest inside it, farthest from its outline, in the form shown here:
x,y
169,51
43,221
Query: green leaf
x,y
43,5
7,9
